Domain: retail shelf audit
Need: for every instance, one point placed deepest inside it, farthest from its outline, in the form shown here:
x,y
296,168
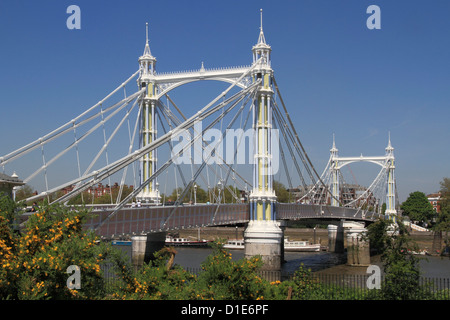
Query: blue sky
x,y
336,76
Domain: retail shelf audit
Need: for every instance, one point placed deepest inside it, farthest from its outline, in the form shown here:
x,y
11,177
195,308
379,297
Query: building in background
x,y
7,184
435,199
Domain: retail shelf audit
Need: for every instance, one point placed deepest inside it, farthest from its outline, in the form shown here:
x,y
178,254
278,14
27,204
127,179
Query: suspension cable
x,y
119,164
57,132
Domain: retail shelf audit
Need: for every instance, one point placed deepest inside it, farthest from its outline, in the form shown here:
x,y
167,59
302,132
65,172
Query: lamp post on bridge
x,y
195,193
219,187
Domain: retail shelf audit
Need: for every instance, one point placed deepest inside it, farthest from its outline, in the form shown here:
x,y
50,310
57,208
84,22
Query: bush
x,y
156,280
34,262
223,278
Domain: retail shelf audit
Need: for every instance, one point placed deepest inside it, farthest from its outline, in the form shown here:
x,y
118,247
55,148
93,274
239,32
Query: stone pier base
x,y
358,250
143,247
265,238
336,238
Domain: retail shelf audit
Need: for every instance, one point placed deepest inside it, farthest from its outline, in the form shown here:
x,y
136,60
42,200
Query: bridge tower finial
x,y
261,49
389,148
147,61
333,149
261,11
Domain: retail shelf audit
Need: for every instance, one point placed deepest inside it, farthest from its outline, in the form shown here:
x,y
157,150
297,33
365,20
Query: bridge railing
x,y
164,218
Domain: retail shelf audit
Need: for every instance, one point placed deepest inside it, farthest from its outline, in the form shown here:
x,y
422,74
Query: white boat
x,y
234,244
288,245
300,246
171,241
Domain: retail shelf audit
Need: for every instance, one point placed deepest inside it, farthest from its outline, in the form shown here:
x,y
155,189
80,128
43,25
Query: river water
x,y
333,263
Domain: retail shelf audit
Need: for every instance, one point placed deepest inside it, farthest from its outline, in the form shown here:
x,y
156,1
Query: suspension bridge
x,y
144,139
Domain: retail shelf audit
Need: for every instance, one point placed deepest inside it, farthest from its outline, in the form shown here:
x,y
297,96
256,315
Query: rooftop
x,y
10,179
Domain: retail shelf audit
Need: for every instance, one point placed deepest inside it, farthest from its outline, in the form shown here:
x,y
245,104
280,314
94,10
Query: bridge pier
x,y
143,247
282,225
358,250
265,238
336,238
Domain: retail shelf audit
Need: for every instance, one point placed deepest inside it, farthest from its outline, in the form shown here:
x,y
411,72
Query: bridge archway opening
x,y
189,97
364,180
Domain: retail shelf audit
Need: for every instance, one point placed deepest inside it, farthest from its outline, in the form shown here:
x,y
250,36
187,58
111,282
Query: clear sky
x,y
336,76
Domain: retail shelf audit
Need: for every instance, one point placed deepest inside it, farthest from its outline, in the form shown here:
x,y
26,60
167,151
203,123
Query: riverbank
x,y
424,240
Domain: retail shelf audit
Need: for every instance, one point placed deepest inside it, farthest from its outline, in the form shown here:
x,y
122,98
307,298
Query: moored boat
x,y
234,244
171,241
288,245
301,246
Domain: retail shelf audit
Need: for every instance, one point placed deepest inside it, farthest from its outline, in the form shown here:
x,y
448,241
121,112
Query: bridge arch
x,y
342,163
177,84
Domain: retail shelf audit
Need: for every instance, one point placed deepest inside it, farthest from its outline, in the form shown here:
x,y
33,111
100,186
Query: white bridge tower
x,y
263,235
148,102
385,177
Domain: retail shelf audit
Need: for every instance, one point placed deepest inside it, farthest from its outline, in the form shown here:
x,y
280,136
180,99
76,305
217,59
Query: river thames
x,y
323,262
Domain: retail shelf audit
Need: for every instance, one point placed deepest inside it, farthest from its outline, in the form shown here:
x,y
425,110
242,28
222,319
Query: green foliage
x,y
281,192
377,235
401,268
34,262
303,286
9,209
417,207
156,280
443,218
24,192
223,278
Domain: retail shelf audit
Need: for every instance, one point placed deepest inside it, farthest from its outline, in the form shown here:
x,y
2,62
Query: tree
x,y
417,207
445,187
24,192
402,270
281,192
443,218
201,195
35,261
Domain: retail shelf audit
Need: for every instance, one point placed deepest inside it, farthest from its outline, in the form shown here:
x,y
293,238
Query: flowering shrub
x,y
34,261
156,280
223,278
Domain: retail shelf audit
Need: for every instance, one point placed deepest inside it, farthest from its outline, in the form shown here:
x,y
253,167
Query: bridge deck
x,y
148,219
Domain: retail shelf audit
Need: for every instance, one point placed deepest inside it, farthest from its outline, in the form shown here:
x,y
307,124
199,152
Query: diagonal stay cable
x,y
297,137
219,118
104,172
120,163
57,132
185,125
283,131
223,162
84,136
